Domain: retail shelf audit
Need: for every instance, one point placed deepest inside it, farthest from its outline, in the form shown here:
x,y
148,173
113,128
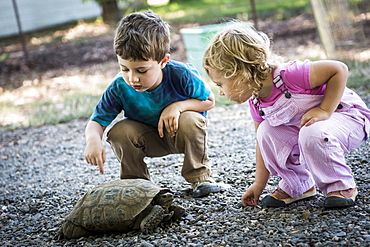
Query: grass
x,y
359,75
74,106
55,100
70,105
203,11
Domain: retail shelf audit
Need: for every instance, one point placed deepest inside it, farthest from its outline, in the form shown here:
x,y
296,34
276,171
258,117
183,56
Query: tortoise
x,y
120,206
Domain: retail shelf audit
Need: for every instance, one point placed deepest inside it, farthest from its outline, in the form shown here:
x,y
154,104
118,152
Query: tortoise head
x,y
164,199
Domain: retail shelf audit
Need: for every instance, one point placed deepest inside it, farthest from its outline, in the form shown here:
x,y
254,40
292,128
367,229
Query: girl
x,y
305,117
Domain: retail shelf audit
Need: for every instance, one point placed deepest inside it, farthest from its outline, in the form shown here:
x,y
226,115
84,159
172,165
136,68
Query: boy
x,y
164,104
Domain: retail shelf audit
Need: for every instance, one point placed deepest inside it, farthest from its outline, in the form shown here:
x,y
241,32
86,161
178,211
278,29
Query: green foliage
x,y
203,11
4,56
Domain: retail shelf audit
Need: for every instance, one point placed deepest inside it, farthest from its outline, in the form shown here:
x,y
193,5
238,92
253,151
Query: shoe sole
x,y
340,201
272,201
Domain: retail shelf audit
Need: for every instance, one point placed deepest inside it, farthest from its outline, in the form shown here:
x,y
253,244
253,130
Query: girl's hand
x,y
313,115
170,120
95,154
252,195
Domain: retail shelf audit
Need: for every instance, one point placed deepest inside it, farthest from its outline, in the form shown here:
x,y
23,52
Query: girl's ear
x,y
165,61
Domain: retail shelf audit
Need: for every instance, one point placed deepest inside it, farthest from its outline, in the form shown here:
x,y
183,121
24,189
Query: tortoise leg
x,y
178,212
152,220
168,217
70,230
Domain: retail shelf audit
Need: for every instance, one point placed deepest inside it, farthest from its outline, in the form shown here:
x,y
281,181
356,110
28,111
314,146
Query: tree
x,y
110,11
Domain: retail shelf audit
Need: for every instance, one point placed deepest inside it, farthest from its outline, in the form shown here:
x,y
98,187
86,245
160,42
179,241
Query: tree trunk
x,y
111,12
254,13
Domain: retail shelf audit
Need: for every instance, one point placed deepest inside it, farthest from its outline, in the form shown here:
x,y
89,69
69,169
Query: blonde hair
x,y
242,54
142,36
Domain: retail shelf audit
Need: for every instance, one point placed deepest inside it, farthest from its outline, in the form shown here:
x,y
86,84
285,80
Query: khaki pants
x,y
132,141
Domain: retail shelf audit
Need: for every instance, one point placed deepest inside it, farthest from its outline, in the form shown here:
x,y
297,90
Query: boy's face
x,y
227,87
142,75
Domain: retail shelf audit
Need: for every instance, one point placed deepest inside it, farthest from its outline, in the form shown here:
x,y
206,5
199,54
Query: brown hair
x,y
142,36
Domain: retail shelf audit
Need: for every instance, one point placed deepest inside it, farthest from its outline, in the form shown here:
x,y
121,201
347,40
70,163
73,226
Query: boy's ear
x,y
165,60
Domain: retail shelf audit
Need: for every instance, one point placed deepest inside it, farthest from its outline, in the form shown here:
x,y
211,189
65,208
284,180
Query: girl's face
x,y
228,88
142,75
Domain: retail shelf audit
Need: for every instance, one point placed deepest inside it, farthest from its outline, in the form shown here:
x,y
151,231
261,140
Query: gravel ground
x,y
43,174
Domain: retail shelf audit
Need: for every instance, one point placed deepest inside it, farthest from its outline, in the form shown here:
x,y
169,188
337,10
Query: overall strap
x,y
280,84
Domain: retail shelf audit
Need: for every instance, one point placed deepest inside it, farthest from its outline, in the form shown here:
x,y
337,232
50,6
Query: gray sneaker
x,y
204,188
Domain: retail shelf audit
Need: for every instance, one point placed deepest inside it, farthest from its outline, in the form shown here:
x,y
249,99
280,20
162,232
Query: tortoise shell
x,y
110,207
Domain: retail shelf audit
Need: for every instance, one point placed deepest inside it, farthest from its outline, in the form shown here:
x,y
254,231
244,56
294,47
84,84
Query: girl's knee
x,y
312,136
264,132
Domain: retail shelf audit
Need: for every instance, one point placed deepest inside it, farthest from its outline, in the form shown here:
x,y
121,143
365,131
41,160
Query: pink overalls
x,y
314,154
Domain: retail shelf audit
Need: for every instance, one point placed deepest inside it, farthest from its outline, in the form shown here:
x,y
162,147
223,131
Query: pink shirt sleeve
x,y
296,76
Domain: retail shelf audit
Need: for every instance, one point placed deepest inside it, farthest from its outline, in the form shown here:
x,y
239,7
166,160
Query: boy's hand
x,y
252,195
95,154
313,115
170,120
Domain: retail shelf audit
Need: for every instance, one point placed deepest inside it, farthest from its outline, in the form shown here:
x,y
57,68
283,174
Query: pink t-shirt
x,y
296,76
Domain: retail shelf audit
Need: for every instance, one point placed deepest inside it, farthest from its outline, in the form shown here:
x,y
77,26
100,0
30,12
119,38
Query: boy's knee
x,y
120,131
189,121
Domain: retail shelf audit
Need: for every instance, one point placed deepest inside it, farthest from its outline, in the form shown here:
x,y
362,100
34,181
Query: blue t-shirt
x,y
180,82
